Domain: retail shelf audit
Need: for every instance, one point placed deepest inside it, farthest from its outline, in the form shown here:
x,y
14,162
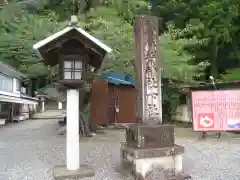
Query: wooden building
x,y
184,113
113,100
16,104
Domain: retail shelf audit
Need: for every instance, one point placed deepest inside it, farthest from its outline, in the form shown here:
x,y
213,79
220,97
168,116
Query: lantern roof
x,y
69,33
96,41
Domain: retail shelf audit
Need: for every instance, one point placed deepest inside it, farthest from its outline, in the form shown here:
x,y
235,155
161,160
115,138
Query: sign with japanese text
x,y
217,110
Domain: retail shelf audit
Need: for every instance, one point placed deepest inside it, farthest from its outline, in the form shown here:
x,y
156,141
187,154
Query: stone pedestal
x,y
148,147
61,173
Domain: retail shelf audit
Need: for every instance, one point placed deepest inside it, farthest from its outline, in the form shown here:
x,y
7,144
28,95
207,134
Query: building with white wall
x,y
15,104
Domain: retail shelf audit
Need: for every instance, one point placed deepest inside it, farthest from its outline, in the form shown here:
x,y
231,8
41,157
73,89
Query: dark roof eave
x,y
11,71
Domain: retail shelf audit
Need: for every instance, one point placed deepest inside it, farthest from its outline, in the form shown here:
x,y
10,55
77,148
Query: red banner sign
x,y
216,110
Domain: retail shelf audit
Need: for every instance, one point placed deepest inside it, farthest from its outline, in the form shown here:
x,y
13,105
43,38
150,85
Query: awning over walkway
x,y
16,100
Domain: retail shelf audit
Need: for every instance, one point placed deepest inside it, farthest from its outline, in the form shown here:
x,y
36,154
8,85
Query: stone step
x,y
50,114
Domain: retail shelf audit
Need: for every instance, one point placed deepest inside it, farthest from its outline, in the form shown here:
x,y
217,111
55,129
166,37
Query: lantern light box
x,y
72,70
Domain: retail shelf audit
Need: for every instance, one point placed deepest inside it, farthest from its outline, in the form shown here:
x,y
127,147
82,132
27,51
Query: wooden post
x,y
59,105
42,104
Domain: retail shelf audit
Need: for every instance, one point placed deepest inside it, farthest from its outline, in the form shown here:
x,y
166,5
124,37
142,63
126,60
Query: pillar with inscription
x,y
149,143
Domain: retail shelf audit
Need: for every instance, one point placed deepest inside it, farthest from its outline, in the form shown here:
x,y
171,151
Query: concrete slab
x,y
61,172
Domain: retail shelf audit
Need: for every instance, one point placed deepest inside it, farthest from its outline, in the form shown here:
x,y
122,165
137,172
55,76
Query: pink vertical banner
x,y
216,110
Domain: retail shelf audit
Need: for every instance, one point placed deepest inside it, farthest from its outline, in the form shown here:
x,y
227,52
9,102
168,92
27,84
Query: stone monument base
x,y
141,161
61,173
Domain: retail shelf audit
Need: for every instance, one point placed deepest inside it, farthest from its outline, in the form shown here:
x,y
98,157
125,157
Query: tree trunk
x,y
84,109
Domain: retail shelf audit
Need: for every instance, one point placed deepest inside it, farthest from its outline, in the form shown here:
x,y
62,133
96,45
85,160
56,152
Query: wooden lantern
x,y
73,70
75,51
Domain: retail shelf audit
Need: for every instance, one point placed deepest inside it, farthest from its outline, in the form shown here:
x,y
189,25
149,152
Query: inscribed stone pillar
x,y
149,102
149,143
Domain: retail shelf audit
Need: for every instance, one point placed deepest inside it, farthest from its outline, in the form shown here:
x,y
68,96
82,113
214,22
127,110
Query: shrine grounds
x,y
29,150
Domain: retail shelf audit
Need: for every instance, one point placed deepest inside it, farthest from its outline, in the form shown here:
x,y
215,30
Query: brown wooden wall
x,y
99,101
105,97
127,104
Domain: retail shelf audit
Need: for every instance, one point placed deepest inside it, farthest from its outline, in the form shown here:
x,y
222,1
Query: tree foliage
x,y
199,38
216,22
19,31
111,26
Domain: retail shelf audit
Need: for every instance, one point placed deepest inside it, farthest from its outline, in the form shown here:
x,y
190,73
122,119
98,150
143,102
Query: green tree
x,y
19,31
105,23
214,22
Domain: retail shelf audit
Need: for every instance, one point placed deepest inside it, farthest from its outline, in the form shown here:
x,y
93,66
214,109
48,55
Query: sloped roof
x,y
11,71
51,92
117,79
218,85
51,38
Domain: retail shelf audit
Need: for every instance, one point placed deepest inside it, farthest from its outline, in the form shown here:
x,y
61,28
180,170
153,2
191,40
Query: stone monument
x,y
149,143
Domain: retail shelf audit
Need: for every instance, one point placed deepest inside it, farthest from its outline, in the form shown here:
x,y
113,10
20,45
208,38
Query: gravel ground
x,y
29,150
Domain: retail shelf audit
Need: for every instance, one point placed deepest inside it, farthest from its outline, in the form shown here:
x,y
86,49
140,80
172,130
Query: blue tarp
x,y
117,79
